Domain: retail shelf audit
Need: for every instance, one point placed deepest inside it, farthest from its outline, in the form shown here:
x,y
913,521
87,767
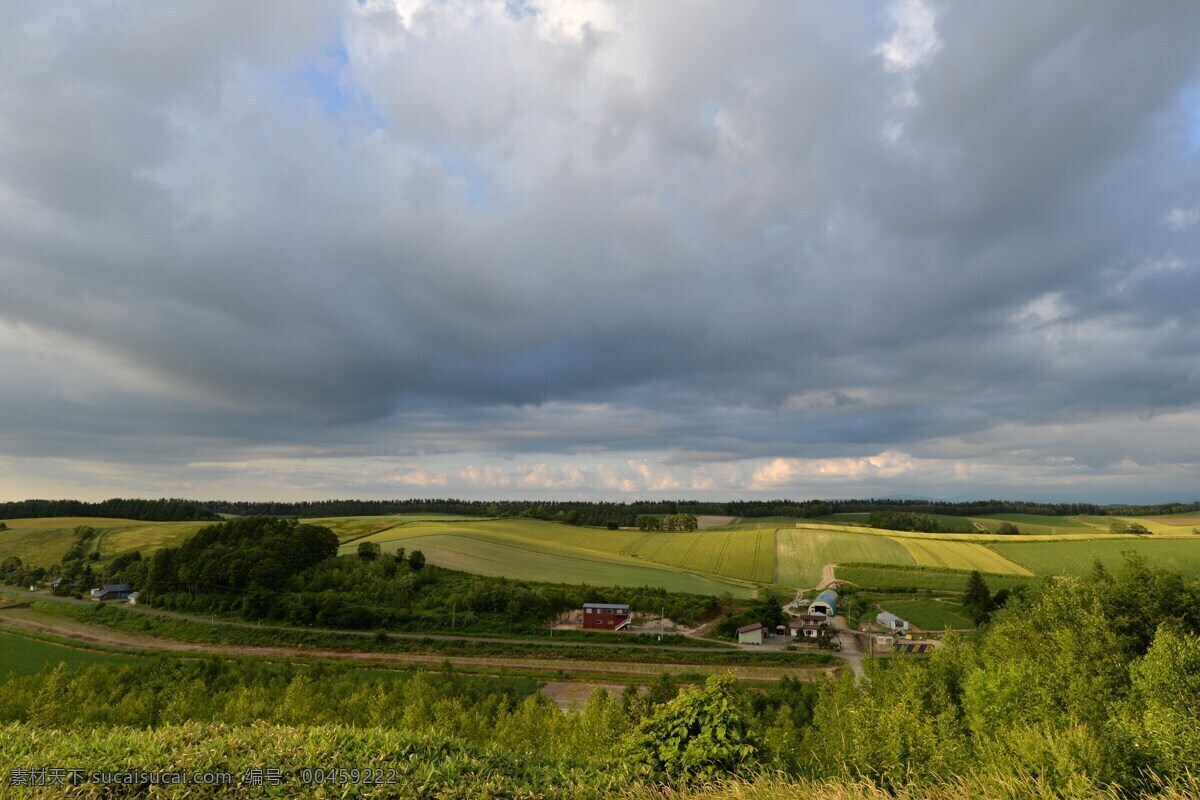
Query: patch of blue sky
x,y
475,177
1191,107
322,79
519,9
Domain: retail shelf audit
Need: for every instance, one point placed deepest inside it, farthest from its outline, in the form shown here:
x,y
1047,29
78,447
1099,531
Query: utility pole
x,y
453,615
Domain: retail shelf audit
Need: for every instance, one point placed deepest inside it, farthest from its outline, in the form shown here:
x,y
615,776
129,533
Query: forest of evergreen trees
x,y
576,512
626,514
163,510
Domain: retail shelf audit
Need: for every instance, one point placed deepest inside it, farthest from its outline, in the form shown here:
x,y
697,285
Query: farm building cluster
x,y
810,625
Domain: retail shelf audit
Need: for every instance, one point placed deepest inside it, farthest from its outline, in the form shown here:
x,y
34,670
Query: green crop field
x,y
930,615
959,555
872,576
741,554
360,527
746,555
802,552
1076,557
145,537
510,559
22,656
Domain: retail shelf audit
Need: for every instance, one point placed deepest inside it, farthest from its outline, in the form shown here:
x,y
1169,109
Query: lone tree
x,y
978,600
1007,529
416,560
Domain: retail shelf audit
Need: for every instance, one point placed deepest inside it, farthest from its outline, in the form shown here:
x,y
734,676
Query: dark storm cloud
x,y
415,228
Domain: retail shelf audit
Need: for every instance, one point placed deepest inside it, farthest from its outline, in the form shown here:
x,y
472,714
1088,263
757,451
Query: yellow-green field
x,y
1076,557
361,527
711,555
509,559
961,555
801,553
742,554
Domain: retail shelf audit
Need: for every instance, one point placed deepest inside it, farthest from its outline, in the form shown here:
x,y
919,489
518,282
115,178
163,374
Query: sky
x,y
600,250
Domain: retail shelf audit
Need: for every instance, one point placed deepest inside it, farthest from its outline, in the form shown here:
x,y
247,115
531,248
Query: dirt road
x,y
95,635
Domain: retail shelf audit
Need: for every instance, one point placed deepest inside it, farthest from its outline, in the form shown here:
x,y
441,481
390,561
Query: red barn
x,y
606,616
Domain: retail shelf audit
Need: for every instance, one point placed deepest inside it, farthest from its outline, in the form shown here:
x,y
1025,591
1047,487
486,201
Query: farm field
x,y
1190,519
802,552
360,527
960,555
511,559
746,555
929,614
764,522
145,537
742,554
1076,557
22,656
872,576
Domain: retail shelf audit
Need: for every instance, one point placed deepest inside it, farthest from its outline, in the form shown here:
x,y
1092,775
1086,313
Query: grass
x,y
42,542
1076,557
929,614
20,655
510,559
747,555
801,553
348,528
145,537
705,562
959,555
750,664
941,579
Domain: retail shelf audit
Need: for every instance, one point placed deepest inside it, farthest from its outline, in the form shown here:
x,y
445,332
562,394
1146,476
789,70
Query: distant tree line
x,y
571,512
579,512
173,510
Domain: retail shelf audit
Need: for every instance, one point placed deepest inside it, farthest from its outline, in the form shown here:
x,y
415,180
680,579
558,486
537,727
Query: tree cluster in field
x,y
3,526
766,609
666,522
266,568
902,521
1121,526
172,510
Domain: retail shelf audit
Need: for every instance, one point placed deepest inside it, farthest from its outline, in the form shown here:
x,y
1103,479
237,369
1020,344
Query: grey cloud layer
x,y
713,234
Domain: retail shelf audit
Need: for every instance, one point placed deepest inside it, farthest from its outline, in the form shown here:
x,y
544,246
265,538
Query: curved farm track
x,y
104,637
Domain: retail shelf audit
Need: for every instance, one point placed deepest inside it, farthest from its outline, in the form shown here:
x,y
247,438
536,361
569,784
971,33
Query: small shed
x,y
825,604
890,621
751,634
